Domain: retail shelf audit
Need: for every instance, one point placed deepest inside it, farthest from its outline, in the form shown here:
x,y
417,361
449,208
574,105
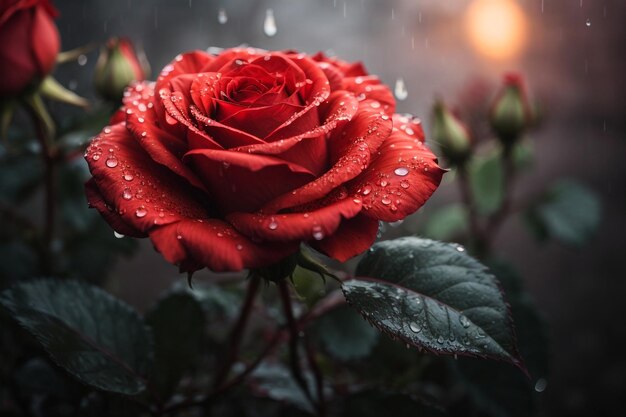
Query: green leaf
x,y
434,296
177,322
374,403
447,222
97,338
487,182
568,212
344,334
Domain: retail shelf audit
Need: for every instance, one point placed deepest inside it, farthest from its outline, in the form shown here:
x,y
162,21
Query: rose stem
x,y
476,236
238,329
319,381
496,220
42,121
294,357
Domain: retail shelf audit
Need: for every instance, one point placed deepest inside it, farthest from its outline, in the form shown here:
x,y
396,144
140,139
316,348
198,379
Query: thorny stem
x,y
237,332
294,335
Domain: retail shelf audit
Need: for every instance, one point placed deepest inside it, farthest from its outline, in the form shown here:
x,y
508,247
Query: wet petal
x,y
353,237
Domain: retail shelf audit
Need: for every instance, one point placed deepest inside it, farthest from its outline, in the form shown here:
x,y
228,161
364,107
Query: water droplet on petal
x,y
272,225
385,200
366,190
318,233
95,157
401,172
141,212
404,184
111,162
128,177
126,194
239,246
117,235
269,25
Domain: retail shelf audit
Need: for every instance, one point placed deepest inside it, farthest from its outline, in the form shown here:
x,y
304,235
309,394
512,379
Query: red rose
x,y
30,43
231,161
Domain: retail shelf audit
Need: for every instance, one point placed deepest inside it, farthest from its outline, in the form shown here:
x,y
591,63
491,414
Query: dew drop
x,y
141,212
415,328
401,172
126,194
117,235
385,200
269,25
464,321
460,248
272,225
440,340
239,246
222,17
111,162
128,177
179,237
366,190
375,105
404,184
318,233
400,90
95,157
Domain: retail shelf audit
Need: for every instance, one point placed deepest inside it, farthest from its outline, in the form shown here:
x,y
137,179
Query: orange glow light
x,y
496,28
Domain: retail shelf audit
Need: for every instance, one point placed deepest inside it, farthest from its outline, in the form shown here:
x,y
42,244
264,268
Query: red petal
x,y
244,182
353,237
399,180
110,215
350,152
216,245
142,121
370,87
311,225
144,193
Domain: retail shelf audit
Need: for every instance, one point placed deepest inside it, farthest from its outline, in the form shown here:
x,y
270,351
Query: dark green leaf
x,y
97,338
373,403
486,179
568,212
177,323
275,381
344,334
434,296
446,222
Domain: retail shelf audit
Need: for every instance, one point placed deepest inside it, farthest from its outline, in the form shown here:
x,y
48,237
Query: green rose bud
x,y
118,65
511,113
451,135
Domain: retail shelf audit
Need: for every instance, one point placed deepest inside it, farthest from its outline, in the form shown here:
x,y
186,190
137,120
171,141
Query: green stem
x,y
497,219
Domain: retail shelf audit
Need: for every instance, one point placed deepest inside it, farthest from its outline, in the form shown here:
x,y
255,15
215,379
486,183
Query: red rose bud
x,y
511,113
30,43
118,65
451,135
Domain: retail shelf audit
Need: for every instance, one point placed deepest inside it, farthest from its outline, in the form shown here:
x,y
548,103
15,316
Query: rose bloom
x,y
30,44
232,161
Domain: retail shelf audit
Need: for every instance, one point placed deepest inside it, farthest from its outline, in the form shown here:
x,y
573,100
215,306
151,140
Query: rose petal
x,y
144,193
111,216
163,147
45,40
359,231
216,245
308,225
260,177
399,180
351,150
370,87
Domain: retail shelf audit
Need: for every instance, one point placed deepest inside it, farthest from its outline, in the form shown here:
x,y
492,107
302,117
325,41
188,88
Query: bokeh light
x,y
496,28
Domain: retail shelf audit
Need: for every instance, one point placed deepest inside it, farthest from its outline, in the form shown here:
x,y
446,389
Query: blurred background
x,y
572,56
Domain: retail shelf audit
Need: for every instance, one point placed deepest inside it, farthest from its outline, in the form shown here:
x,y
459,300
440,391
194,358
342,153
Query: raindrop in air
x,y
117,235
400,90
588,23
541,384
82,59
222,17
269,26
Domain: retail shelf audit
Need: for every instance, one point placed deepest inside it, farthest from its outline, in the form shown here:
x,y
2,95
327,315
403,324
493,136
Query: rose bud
x,y
118,65
30,44
511,112
451,135
235,160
